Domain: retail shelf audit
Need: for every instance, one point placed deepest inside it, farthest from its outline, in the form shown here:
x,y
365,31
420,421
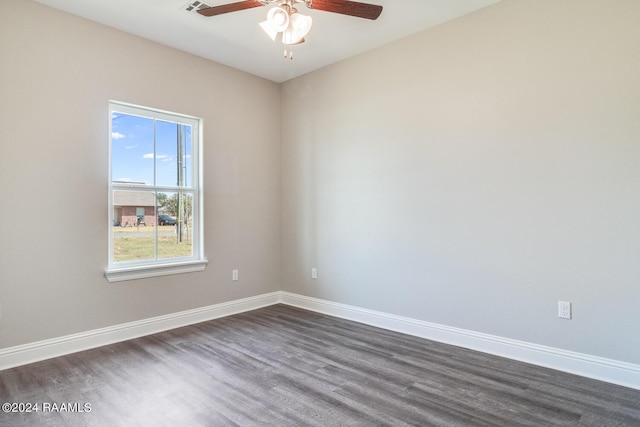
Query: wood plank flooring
x,y
283,366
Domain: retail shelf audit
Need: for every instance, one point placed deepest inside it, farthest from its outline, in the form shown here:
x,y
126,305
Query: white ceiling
x,y
236,39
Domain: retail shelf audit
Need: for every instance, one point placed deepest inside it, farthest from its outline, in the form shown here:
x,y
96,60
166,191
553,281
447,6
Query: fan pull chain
x,y
288,53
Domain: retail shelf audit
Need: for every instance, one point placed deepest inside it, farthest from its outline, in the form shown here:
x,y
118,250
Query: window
x,y
155,206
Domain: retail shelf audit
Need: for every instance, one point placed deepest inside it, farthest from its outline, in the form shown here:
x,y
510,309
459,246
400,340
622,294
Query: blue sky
x,y
133,153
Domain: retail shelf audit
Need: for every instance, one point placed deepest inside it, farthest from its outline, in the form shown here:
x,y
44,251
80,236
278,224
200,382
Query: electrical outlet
x,y
564,309
314,273
234,275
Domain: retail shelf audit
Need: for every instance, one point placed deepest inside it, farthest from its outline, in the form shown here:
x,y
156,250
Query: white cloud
x,y
163,157
117,135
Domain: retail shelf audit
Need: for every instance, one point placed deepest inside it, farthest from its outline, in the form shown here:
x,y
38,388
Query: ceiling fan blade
x,y
352,8
231,7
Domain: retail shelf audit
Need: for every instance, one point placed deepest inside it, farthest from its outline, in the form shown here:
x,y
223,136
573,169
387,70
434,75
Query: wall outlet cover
x,y
564,309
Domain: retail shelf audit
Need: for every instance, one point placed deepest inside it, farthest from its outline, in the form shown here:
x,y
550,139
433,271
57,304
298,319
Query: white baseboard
x,y
612,371
41,350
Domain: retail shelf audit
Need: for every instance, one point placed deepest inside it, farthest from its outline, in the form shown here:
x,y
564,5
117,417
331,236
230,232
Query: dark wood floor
x,y
282,366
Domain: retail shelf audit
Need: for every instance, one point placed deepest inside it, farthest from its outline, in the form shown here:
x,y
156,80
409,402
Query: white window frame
x,y
121,271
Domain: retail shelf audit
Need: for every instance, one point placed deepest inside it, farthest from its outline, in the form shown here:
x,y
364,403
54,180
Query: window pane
x,y
153,224
173,154
175,228
166,153
132,150
187,158
134,225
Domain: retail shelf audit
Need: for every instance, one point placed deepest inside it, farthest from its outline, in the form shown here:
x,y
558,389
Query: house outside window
x,y
154,170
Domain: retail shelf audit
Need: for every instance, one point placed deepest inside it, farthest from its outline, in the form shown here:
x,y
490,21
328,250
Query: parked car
x,y
166,220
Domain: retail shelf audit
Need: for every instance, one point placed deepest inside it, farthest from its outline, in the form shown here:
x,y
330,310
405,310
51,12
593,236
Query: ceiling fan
x,y
285,20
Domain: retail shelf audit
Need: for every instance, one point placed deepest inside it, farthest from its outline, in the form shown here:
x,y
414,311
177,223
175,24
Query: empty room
x,y
323,213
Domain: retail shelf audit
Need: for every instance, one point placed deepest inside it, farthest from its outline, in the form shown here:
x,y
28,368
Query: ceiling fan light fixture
x,y
290,38
278,18
268,28
285,19
299,25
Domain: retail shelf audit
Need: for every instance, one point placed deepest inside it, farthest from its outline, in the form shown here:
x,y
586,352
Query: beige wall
x,y
57,74
475,174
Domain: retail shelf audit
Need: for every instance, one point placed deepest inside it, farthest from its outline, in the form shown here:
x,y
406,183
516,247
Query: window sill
x,y
146,271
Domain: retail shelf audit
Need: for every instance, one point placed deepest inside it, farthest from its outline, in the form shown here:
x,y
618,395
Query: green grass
x,y
142,228
139,248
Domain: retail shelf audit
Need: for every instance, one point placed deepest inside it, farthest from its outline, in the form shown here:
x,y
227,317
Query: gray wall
x,y
57,73
475,174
